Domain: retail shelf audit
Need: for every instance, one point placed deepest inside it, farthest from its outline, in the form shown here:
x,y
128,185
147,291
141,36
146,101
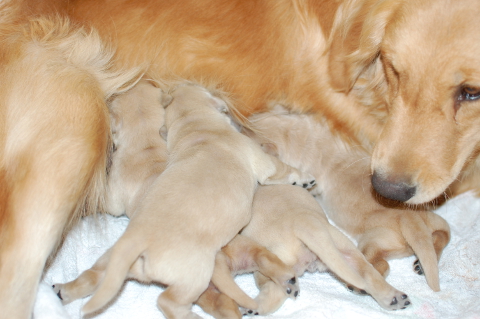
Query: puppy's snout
x,y
396,189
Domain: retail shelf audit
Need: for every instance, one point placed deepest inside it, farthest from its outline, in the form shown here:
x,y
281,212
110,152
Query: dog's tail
x,y
316,236
124,253
419,237
223,280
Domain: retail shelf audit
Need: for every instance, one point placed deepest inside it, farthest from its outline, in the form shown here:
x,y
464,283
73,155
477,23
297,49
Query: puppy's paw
x,y
302,179
57,288
400,300
291,287
417,267
248,312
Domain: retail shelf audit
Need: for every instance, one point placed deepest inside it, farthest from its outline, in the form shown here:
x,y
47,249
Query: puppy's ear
x,y
165,99
220,105
355,41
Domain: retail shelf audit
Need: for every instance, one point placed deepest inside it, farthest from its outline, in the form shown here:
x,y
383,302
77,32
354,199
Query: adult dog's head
x,y
425,58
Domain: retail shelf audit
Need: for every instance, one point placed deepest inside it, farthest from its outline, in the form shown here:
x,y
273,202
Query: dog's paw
x,y
303,179
399,301
417,267
248,312
57,288
291,287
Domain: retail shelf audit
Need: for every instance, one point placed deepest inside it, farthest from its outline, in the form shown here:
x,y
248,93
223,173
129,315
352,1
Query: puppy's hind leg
x,y
176,301
243,254
219,305
269,299
85,284
387,296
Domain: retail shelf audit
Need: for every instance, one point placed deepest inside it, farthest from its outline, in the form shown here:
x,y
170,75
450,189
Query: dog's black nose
x,y
393,189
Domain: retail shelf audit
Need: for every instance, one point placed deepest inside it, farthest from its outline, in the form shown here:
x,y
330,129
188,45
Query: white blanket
x,y
321,296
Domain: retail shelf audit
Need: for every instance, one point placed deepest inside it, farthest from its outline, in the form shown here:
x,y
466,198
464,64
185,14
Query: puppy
x,y
206,191
382,233
244,255
140,155
294,227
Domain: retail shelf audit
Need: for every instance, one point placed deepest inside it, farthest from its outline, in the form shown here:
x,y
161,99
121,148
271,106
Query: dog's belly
x,y
308,261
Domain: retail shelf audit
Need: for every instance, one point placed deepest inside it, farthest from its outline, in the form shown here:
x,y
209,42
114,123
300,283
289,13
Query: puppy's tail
x,y
223,280
419,237
124,254
316,236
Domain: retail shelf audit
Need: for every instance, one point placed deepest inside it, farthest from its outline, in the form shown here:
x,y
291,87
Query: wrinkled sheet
x,y
321,295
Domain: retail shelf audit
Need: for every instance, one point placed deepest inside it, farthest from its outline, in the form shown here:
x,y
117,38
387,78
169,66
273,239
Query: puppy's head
x,y
137,110
192,98
428,53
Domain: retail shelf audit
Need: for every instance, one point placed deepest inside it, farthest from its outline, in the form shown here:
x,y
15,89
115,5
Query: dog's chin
x,y
425,197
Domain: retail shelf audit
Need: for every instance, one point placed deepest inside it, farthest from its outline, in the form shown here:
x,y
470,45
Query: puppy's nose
x,y
395,189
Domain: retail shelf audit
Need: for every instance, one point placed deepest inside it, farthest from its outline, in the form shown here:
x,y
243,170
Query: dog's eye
x,y
469,93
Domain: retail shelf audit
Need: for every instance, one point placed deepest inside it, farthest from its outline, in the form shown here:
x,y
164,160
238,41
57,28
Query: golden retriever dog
x,y
382,233
295,228
362,65
205,191
398,77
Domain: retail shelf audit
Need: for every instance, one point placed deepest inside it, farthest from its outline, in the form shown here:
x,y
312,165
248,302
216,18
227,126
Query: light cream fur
x,y
295,228
140,155
382,232
206,190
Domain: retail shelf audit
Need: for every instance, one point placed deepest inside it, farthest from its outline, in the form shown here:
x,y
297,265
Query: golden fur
x,y
357,64
54,141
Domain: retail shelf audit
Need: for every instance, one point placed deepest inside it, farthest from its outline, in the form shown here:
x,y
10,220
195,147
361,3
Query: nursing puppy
x,y
206,192
290,223
139,157
382,233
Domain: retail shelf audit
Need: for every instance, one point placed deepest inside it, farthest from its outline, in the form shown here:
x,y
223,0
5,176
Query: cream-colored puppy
x,y
290,223
194,208
382,232
139,157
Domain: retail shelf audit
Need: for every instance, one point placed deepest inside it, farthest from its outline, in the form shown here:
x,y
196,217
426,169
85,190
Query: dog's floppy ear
x,y
355,40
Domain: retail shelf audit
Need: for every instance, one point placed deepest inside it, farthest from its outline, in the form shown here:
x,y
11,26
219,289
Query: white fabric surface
x,y
321,296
